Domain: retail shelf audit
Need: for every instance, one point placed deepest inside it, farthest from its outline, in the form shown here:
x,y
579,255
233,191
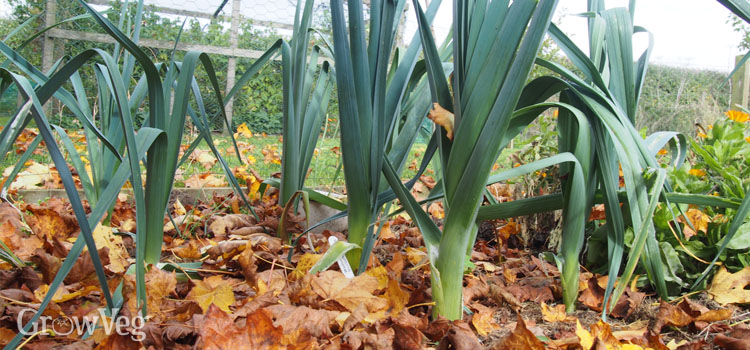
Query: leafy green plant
x,y
719,167
610,102
483,99
609,93
694,222
305,103
370,95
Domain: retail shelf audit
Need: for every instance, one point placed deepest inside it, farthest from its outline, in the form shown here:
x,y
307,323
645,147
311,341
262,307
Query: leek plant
x,y
607,97
305,105
370,99
115,147
609,93
494,44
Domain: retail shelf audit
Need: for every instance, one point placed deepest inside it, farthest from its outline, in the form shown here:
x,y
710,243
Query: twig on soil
x,y
272,262
431,303
47,331
678,299
14,301
745,320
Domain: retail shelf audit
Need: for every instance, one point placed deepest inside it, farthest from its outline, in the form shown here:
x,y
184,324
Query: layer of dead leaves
x,y
245,294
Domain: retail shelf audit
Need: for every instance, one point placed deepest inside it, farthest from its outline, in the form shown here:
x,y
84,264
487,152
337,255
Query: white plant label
x,y
344,266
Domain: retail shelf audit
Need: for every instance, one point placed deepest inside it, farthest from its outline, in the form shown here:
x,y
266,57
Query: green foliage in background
x,y
258,104
678,98
716,171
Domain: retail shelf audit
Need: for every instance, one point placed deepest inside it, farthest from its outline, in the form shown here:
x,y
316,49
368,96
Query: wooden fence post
x,y
232,60
740,85
48,46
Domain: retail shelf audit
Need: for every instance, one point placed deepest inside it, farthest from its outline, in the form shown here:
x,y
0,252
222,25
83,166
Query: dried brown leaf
x,y
521,338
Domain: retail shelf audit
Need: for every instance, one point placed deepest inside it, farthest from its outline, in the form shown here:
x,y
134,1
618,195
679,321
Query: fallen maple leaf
x,y
204,180
521,338
51,219
62,294
407,337
12,233
218,331
593,297
35,176
6,335
244,131
316,323
118,254
221,225
190,251
179,209
730,288
349,293
271,155
397,298
555,313
670,315
160,284
415,256
739,339
305,263
180,221
262,332
436,210
483,320
212,290
585,339
380,274
510,228
270,281
459,337
117,341
699,220
204,157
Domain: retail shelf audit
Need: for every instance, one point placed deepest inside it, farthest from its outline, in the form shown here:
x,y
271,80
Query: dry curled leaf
x,y
732,343
204,180
459,337
699,220
521,338
555,313
349,293
118,254
442,117
219,331
730,288
204,157
483,320
249,264
221,225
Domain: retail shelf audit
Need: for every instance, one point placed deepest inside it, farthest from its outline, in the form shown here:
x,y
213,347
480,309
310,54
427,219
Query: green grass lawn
x,y
323,168
264,152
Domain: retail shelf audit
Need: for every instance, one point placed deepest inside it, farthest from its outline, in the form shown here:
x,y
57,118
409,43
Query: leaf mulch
x,y
242,293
